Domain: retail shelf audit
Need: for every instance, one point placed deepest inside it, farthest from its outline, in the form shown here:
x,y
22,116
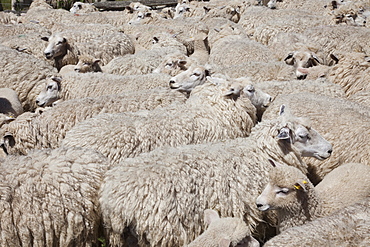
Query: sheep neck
x,y
306,208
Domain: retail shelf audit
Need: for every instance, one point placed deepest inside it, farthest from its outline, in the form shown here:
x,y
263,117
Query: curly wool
x,y
167,190
205,117
46,130
49,198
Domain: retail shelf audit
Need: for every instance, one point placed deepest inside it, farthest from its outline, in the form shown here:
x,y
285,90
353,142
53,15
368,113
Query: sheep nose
x,y
330,151
301,77
172,82
77,70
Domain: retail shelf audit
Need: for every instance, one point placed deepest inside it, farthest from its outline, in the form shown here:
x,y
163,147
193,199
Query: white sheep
x,y
188,79
347,227
223,232
173,64
86,63
10,104
207,115
25,74
80,85
46,130
320,87
296,201
342,117
49,198
80,7
352,72
302,60
103,46
159,196
256,70
235,49
361,97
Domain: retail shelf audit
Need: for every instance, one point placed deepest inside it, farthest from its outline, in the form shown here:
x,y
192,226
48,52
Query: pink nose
x,y
303,70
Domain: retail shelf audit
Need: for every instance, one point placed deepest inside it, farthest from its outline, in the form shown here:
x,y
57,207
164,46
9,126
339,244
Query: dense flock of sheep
x,y
212,123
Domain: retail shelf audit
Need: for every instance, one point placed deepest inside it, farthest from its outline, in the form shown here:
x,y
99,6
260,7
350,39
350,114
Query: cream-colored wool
x,y
46,130
347,227
206,116
297,201
49,198
338,119
223,232
26,78
81,85
160,195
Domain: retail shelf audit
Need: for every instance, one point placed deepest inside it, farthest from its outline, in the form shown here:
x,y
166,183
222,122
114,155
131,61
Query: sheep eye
x,y
283,191
87,64
196,74
49,87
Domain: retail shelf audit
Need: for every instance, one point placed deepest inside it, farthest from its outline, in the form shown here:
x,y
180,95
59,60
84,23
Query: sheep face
x,y
189,79
57,46
88,64
301,60
286,188
76,7
259,99
304,138
140,17
173,65
50,93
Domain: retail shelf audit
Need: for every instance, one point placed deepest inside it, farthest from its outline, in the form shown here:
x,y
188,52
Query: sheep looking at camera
x,y
297,201
46,130
49,198
80,7
168,193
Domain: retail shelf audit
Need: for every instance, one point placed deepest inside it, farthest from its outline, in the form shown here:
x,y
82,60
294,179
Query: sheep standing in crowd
x,y
223,232
159,196
296,201
80,85
80,7
207,115
49,198
334,114
24,74
78,42
346,227
46,130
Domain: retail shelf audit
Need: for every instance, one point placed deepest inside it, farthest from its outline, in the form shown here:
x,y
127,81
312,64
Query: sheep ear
x,y
284,133
316,61
282,110
334,58
182,62
289,59
224,242
96,61
274,163
57,79
301,185
210,215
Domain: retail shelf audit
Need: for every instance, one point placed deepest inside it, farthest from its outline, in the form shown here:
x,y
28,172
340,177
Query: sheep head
x,y
297,132
50,93
187,80
87,63
302,60
57,46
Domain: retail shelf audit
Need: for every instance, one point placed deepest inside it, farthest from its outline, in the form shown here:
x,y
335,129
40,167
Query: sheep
x,y
187,80
173,64
352,72
256,70
347,227
10,104
23,73
46,130
343,117
80,85
223,232
172,186
361,97
302,60
321,87
350,13
207,108
239,50
78,42
296,201
40,4
49,198
45,17
87,63
145,61
80,7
